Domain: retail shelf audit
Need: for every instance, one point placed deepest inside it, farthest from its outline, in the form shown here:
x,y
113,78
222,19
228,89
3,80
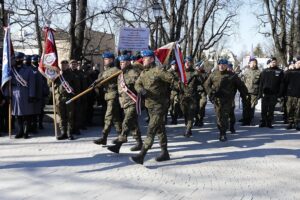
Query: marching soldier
x,y
112,114
189,94
151,84
63,92
221,87
202,95
174,97
291,89
128,100
269,91
232,118
251,79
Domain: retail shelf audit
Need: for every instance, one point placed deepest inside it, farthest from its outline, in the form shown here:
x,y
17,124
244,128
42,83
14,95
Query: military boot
x,y
20,133
298,126
102,140
232,129
174,120
223,137
269,124
137,146
197,122
262,124
188,133
139,159
290,126
63,135
26,127
115,148
164,155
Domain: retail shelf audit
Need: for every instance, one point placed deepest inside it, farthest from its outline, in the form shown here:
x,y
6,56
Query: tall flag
x,y
163,53
180,63
8,54
48,65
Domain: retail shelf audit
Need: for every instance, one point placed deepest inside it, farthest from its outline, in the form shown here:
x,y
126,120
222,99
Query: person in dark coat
x,y
23,95
3,107
269,90
42,92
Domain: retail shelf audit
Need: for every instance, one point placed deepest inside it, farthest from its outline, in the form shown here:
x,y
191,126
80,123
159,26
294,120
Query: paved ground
x,y
255,164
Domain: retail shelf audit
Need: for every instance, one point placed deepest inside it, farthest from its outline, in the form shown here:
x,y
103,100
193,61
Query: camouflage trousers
x,y
174,107
232,118
268,104
249,108
112,117
293,109
156,126
188,107
66,115
130,124
223,107
200,111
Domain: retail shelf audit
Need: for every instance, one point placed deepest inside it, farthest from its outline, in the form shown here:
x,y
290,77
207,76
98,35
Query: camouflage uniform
x,y
65,111
221,87
130,121
112,114
201,99
251,79
174,100
188,98
291,89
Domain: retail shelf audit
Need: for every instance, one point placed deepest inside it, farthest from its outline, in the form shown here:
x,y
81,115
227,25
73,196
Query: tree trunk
x,y
37,27
72,29
80,28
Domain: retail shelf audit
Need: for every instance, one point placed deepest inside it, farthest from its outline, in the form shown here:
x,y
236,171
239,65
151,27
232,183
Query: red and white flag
x,y
48,65
180,63
163,53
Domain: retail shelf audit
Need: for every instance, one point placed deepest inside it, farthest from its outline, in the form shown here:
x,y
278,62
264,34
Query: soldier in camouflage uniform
x,y
201,95
174,97
127,99
65,111
269,90
221,86
188,95
291,89
112,114
151,84
251,79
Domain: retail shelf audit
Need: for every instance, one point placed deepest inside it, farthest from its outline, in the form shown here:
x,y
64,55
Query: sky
x,y
247,32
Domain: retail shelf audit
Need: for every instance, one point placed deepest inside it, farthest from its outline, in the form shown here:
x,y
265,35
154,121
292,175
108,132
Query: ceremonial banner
x,y
180,63
163,53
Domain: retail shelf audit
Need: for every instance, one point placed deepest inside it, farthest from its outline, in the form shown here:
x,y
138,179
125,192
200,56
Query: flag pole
x,y
9,110
54,109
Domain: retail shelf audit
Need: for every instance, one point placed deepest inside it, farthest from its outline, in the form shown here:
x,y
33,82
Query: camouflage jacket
x,y
155,81
130,75
251,79
110,87
193,81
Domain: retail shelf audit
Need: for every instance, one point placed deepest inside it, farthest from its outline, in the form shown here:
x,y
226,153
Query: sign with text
x,y
134,39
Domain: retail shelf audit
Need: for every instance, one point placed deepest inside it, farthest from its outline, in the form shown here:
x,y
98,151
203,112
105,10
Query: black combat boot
x,y
63,135
290,126
70,135
298,126
269,124
26,129
223,137
115,148
188,133
102,140
232,129
137,146
139,159
20,133
164,155
262,124
174,120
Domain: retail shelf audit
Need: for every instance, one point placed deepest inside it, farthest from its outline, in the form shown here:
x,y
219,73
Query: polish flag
x,y
180,63
48,65
163,53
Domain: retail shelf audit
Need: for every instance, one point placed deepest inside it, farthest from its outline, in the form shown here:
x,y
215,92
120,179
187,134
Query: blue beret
x,y
108,54
188,58
19,55
223,61
133,58
230,65
269,61
35,58
252,59
124,58
147,53
173,62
